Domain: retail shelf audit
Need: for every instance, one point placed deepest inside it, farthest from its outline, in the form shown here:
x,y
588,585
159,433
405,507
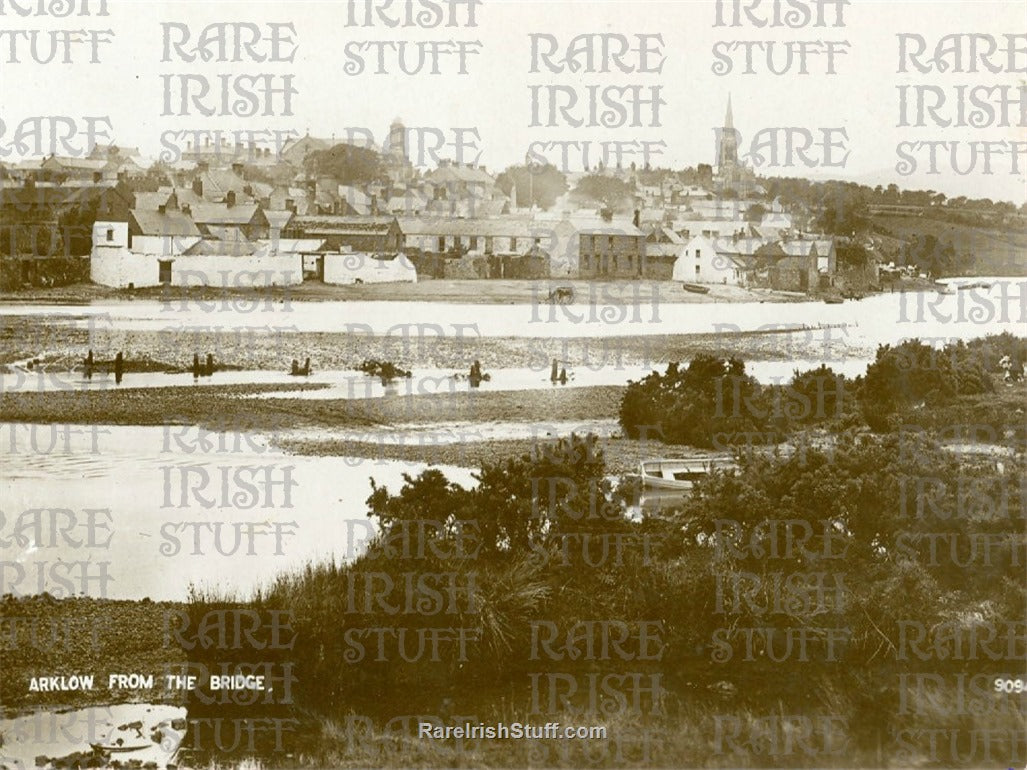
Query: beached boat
x,y
834,300
114,748
678,474
696,288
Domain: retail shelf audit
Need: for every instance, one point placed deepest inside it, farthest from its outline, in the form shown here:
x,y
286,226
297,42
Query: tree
x,y
755,213
611,192
852,255
347,164
931,255
536,185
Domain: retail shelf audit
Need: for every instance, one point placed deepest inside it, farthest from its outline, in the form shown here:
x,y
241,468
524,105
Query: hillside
x,y
979,251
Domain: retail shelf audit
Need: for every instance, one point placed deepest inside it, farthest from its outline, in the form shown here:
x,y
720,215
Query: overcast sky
x,y
495,96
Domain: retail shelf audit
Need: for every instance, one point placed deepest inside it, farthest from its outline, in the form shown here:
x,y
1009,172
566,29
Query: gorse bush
x,y
849,547
914,373
714,403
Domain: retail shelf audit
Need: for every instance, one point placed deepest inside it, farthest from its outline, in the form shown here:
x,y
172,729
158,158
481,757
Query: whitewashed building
x,y
347,268
716,260
176,260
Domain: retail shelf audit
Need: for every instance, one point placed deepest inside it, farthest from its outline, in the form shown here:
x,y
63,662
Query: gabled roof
x,y
664,235
407,202
79,164
278,219
452,173
356,198
739,246
231,248
611,228
151,201
169,223
218,182
260,189
224,232
223,214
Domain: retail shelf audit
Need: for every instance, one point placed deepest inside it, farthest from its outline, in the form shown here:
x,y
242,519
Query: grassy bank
x,y
43,636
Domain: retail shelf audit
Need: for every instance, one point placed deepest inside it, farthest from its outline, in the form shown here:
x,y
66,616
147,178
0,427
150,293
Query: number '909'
x,y
1010,685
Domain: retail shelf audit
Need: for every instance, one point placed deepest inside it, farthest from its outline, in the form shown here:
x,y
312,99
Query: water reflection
x,y
226,511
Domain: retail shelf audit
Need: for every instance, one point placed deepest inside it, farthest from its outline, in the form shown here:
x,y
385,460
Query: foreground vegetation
x,y
856,603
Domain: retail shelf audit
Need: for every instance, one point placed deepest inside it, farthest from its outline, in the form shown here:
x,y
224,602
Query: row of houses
x,y
221,207
503,247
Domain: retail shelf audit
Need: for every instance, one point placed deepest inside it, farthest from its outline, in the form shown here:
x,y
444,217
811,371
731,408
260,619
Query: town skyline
x,y
495,96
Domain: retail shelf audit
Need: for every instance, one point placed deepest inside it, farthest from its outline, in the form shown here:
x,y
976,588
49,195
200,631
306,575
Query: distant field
x,y
982,251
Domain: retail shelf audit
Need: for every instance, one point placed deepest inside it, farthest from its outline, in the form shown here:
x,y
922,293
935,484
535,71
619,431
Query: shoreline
x,y
223,409
459,291
477,292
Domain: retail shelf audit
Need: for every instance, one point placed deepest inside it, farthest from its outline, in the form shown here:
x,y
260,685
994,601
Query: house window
x,y
698,253
164,271
697,271
474,243
442,243
110,234
513,244
609,242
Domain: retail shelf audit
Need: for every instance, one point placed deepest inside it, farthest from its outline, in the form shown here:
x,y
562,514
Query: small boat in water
x,y
679,474
696,288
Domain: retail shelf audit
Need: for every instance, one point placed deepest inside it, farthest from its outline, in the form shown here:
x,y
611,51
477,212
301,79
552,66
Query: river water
x,y
345,385
223,511
228,512
878,319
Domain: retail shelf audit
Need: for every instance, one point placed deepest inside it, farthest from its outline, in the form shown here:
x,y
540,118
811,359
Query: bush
x,y
916,374
714,403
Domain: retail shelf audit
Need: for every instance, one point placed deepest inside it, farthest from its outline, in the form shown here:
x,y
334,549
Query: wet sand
x,y
64,346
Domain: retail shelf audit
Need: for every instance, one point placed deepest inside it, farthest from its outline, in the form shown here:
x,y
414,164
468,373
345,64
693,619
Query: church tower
x,y
727,142
397,142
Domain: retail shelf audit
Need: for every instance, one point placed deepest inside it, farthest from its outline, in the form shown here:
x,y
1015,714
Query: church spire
x,y
729,121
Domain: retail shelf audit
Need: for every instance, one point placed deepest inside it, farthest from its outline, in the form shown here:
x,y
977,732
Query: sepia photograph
x,y
513,384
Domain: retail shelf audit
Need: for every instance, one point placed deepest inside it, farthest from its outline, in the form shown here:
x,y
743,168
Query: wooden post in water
x,y
119,368
89,366
554,373
306,367
196,366
210,364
